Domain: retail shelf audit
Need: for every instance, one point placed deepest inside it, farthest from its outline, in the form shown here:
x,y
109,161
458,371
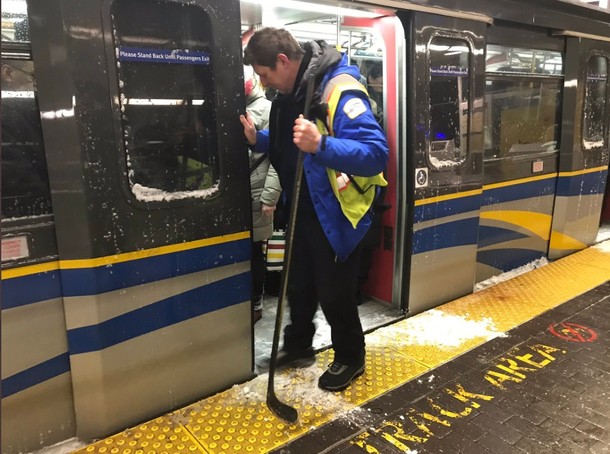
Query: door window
x,y
25,182
449,102
594,117
168,99
522,101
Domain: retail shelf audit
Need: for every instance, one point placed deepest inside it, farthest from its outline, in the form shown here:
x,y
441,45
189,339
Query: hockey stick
x,y
278,408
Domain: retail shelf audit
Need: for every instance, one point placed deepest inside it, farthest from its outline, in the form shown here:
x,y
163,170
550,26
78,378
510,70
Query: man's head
x,y
275,56
18,75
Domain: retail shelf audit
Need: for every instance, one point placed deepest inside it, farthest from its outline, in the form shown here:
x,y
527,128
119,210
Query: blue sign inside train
x,y
164,56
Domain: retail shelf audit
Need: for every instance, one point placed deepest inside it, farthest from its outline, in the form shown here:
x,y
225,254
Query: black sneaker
x,y
295,358
339,376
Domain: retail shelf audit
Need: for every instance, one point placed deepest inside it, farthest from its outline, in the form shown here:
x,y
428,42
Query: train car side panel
x,y
584,154
150,186
446,145
35,360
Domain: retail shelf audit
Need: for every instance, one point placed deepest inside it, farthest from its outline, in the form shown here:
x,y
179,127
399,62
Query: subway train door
x,y
36,385
583,165
140,105
444,155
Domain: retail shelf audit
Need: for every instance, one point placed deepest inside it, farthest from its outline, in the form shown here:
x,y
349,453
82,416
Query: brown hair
x,y
265,45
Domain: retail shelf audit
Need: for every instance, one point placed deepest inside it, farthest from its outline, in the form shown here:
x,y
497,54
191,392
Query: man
x,y
326,245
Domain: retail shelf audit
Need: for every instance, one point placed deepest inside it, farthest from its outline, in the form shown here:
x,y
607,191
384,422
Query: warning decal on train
x,y
15,247
163,56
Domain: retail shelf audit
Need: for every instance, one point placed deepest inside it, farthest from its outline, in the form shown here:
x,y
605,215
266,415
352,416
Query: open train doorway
x,y
369,39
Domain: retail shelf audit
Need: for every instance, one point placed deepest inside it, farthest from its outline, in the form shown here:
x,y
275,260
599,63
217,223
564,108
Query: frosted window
x,y
594,118
167,97
449,101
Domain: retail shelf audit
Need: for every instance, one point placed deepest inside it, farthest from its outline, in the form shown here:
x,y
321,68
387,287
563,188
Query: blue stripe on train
x,y
446,235
508,259
22,290
107,278
35,375
583,184
494,235
491,196
446,208
520,191
164,313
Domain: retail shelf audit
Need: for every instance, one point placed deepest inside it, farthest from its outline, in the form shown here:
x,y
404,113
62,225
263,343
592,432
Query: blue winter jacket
x,y
359,147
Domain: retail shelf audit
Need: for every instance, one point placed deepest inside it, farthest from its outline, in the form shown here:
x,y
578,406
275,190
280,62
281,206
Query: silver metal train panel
x,y
577,211
141,344
165,369
37,401
515,224
444,250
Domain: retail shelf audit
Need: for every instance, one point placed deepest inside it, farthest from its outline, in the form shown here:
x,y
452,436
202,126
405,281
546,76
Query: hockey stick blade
x,y
281,410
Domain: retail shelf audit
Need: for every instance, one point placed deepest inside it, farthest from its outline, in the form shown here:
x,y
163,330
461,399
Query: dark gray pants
x,y
315,277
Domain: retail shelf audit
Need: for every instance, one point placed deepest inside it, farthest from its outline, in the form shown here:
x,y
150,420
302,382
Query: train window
x,y
522,101
449,102
521,116
502,59
25,183
168,99
15,24
594,119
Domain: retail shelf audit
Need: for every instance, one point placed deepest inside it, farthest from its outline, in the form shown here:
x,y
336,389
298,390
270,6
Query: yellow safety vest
x,y
197,174
354,203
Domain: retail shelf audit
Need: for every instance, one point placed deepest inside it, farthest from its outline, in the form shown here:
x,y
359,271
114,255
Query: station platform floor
x,y
520,367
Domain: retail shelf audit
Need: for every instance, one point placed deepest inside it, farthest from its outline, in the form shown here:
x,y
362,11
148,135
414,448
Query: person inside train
x,y
189,160
375,88
333,216
18,75
265,188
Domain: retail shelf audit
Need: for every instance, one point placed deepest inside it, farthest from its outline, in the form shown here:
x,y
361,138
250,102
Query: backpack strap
x,y
258,162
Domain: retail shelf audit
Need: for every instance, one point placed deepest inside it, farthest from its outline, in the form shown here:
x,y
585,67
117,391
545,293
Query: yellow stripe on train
x,y
30,269
538,223
120,258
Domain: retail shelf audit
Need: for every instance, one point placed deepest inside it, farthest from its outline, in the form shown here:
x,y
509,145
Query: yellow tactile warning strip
x,y
238,420
157,436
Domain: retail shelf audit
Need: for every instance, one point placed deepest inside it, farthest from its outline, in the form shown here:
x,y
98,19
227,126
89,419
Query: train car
x,y
125,194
